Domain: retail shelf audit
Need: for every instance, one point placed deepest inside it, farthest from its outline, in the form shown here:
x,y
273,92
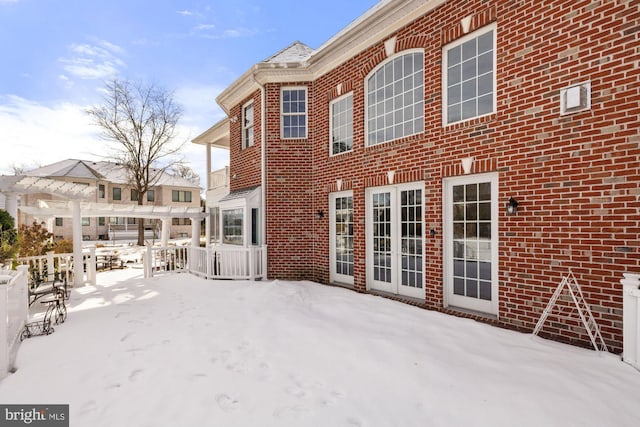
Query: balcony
x,y
218,185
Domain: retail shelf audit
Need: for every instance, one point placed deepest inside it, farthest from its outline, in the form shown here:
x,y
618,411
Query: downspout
x,y
263,170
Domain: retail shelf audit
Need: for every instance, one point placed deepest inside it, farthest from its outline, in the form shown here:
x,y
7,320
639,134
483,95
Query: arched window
x,y
395,98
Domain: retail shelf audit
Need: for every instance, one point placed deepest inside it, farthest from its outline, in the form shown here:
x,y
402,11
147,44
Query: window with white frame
x,y
294,113
247,125
180,196
342,124
344,235
469,76
395,98
214,224
232,220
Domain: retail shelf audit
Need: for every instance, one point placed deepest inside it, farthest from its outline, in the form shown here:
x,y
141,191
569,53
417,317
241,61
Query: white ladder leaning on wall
x,y
571,284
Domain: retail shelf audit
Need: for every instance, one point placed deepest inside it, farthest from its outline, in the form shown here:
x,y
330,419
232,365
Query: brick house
x,y
112,186
459,156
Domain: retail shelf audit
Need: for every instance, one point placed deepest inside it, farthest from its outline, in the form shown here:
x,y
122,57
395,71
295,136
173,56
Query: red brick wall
x,y
290,214
245,164
576,176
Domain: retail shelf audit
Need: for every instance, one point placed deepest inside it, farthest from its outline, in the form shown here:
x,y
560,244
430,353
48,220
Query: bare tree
x,y
184,171
140,121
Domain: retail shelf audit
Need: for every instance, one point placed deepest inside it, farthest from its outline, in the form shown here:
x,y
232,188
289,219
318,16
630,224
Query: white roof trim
x,y
375,25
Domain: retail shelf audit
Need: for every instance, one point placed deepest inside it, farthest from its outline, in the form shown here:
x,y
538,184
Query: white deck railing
x,y
218,262
631,319
14,312
52,266
167,259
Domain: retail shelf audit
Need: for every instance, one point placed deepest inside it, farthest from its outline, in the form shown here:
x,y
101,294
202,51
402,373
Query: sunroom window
x,y
395,98
232,226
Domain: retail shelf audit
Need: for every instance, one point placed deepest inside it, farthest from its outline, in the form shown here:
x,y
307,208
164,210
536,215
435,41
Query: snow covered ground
x,y
181,351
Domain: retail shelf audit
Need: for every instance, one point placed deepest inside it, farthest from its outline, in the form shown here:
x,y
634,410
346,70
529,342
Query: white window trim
x,y
243,228
487,28
306,110
489,307
396,267
366,96
331,104
333,275
244,128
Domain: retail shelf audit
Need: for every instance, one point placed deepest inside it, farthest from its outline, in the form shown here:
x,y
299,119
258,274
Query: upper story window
x,y
134,195
247,125
151,195
395,98
469,77
101,191
294,113
180,196
117,193
342,124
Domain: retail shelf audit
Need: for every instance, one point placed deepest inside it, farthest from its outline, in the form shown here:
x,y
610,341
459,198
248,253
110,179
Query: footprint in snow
x,y
88,406
226,403
355,422
133,376
290,411
126,337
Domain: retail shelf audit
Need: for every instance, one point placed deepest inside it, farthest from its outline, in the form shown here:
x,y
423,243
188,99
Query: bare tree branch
x,y
140,122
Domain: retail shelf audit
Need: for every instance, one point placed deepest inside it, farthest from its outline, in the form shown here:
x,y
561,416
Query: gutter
x,y
263,168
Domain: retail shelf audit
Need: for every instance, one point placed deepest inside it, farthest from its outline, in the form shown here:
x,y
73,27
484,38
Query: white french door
x,y
341,237
395,239
470,228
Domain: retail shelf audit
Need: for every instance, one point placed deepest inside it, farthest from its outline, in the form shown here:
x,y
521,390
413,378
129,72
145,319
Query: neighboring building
x,y
458,155
110,180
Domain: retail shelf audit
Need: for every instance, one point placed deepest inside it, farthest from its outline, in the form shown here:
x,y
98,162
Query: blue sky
x,y
55,55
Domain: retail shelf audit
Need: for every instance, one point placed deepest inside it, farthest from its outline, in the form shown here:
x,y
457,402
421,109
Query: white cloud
x,y
41,134
204,27
184,12
93,61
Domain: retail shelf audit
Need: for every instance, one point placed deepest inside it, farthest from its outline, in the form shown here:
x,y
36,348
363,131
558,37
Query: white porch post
x,y
207,229
195,232
78,270
164,235
91,266
11,206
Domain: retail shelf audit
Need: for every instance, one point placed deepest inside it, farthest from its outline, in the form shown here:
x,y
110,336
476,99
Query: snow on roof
x,y
239,194
101,170
71,168
296,52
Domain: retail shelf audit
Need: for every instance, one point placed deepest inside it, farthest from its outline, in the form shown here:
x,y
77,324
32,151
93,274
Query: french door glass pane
x,y
344,235
472,240
411,243
382,237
